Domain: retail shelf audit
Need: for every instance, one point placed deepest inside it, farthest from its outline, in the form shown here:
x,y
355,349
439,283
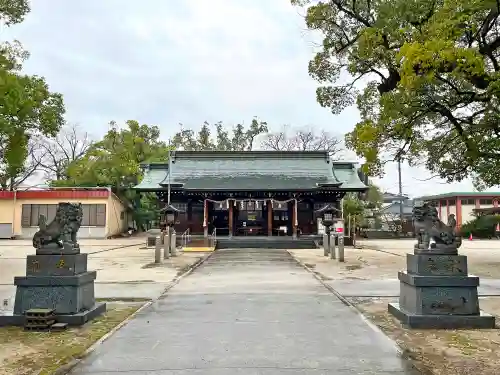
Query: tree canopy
x,y
27,107
356,207
431,79
238,138
115,160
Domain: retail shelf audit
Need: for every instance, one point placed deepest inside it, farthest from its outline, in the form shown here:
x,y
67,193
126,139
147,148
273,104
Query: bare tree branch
x,y
56,154
303,139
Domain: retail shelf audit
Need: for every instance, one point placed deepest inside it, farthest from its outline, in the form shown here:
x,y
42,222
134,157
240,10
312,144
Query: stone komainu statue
x,y
431,232
63,229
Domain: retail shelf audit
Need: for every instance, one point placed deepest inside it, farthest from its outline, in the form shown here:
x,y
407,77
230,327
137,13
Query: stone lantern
x,y
328,214
169,215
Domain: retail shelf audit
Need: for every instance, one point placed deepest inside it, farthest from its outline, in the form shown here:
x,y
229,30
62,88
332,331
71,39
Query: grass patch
x,y
438,351
41,353
124,299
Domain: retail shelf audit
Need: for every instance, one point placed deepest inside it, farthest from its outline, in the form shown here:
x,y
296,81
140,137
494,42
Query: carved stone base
x,y
438,295
437,265
65,294
436,292
56,265
482,320
53,249
77,319
441,250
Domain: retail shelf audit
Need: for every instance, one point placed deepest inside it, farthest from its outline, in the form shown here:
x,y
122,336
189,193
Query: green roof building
x,y
250,192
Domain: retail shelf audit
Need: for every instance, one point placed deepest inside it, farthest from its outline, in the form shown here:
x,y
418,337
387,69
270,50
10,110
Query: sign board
x,y
338,226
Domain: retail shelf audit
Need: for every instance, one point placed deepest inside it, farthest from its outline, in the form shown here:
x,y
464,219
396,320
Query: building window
x,y
94,215
122,215
443,203
486,202
319,206
197,207
31,214
303,206
181,206
451,202
470,202
280,216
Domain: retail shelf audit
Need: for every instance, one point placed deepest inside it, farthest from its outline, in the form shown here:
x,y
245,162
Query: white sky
x,y
169,62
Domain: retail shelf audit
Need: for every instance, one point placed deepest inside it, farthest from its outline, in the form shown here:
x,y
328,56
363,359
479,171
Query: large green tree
x,y
430,73
235,138
115,161
27,107
358,206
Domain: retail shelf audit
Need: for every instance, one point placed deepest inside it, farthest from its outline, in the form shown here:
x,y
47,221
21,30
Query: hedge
x,y
481,227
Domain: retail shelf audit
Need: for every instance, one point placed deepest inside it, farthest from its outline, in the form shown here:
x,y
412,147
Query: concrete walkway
x,y
247,312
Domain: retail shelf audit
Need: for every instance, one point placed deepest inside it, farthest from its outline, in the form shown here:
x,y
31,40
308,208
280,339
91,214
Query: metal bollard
x,y
341,247
326,244
158,249
173,244
332,247
166,247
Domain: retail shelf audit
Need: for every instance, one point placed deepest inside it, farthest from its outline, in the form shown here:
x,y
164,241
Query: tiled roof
x,y
251,170
485,194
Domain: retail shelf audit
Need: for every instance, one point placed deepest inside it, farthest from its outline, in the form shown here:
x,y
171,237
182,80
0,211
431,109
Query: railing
x,y
186,238
212,239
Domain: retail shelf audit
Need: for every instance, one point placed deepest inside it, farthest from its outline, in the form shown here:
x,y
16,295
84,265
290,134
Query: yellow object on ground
x,y
201,249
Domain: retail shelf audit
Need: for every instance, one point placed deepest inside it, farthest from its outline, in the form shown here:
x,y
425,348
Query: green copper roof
x,y
347,174
251,170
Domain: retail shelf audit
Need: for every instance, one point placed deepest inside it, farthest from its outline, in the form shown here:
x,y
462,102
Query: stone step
x,y
235,243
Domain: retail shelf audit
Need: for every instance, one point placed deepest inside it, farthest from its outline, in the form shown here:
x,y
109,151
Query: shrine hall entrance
x,y
251,218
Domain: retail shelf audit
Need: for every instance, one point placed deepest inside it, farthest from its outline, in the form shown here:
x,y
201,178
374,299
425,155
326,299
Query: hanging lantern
x,y
220,205
242,205
257,205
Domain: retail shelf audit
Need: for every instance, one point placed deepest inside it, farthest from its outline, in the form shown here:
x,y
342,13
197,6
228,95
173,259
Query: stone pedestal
x,y
437,292
56,279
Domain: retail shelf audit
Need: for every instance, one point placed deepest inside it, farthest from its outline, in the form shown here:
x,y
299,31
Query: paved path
x,y
247,312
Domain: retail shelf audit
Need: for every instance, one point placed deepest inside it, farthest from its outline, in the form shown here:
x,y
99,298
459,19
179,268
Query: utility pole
x,y
169,172
400,194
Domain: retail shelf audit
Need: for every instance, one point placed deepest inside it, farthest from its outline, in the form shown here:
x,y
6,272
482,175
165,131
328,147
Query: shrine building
x,y
264,193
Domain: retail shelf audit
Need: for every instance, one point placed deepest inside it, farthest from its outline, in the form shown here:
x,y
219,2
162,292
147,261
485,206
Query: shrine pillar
x,y
230,202
269,217
295,223
205,218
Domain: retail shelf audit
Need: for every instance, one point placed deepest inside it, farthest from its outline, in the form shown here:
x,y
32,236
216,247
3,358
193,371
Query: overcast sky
x,y
169,62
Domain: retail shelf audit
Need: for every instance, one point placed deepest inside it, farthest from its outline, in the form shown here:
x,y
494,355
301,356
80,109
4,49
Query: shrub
x,y
481,227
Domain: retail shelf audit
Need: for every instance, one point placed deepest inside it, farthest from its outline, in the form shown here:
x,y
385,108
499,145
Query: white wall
x,y
444,214
467,210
